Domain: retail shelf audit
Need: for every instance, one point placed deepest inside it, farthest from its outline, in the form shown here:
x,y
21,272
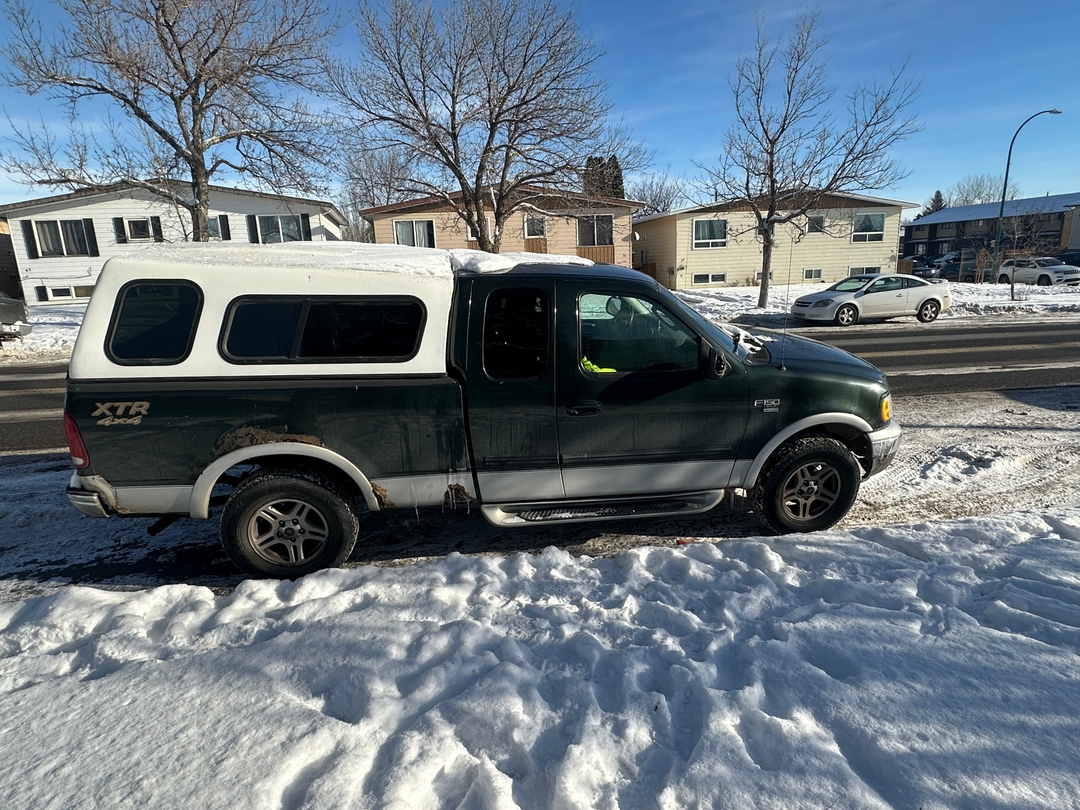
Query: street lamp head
x,y
1054,112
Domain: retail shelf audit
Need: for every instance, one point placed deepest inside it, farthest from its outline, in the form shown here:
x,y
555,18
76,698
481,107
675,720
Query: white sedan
x,y
875,295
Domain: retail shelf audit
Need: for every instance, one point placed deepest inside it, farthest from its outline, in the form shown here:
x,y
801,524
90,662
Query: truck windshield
x,y
747,347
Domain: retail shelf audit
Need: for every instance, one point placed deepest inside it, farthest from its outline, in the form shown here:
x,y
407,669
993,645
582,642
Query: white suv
x,y
1044,271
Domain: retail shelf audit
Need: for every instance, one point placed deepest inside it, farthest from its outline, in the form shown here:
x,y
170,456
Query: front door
x,y
637,413
511,390
884,298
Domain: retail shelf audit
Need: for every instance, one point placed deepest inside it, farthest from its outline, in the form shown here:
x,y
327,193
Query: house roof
x,y
861,198
1013,208
116,188
549,192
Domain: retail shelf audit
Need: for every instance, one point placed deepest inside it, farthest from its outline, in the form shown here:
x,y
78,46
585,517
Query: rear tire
x,y
929,311
285,524
847,315
809,485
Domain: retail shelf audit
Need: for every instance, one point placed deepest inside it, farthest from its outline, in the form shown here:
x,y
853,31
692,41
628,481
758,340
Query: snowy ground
x,y
923,654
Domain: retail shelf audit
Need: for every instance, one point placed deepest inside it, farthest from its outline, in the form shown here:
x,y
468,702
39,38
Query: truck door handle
x,y
584,407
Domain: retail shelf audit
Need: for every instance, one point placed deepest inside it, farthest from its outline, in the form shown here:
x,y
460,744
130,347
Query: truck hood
x,y
804,354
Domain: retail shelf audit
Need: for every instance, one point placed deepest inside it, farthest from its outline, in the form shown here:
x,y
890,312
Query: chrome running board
x,y
580,511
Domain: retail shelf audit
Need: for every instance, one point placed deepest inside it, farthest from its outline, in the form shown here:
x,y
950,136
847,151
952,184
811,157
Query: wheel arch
x,y
847,428
287,452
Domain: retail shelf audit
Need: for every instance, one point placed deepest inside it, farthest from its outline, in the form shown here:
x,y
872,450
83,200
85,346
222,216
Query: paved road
x,y
32,407
919,359
948,358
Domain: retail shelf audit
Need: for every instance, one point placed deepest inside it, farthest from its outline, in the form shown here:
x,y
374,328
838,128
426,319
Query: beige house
x,y
715,246
558,222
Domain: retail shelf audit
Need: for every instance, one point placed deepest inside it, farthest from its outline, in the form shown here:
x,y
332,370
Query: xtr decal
x,y
114,412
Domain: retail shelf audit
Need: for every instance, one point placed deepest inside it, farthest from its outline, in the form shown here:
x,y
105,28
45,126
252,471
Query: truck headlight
x,y
886,408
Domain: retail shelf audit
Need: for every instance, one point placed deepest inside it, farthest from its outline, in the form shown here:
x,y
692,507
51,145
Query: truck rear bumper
x,y
89,503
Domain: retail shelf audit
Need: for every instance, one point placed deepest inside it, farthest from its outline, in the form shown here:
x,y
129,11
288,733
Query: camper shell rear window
x,y
154,322
322,329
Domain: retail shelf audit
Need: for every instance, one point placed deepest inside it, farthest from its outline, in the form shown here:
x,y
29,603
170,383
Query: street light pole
x,y
1001,211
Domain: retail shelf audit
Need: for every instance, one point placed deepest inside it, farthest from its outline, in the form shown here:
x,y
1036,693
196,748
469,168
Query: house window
x,y
757,276
535,226
947,226
811,273
276,229
701,278
710,278
218,227
596,230
415,232
710,233
815,223
139,229
868,228
860,271
474,236
48,239
272,229
65,237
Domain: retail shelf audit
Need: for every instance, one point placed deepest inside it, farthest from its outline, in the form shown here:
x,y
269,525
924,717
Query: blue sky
x,y
984,66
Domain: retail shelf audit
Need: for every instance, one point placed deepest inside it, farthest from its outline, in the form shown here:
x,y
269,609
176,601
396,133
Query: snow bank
x,y
929,665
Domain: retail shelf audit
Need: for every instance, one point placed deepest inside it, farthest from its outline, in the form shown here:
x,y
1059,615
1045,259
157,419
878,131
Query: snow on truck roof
x,y
331,257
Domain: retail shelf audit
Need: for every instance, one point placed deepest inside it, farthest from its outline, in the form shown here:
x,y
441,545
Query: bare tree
x,y
788,149
372,179
494,100
980,188
659,192
203,86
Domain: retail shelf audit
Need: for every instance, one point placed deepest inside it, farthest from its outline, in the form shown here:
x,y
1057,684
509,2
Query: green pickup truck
x,y
302,385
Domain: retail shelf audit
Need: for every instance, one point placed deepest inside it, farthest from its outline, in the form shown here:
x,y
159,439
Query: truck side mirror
x,y
717,365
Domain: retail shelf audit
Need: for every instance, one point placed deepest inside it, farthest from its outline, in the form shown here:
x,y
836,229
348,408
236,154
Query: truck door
x,y
637,412
511,390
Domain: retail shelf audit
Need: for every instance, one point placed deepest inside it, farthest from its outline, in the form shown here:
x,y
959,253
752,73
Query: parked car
x,y
875,295
303,386
1070,257
945,258
14,319
1044,271
922,268
956,271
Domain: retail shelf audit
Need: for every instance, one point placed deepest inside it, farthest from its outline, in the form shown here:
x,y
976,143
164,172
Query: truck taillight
x,y
79,457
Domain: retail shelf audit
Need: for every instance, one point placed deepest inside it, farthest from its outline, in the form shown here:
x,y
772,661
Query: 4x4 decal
x,y
114,412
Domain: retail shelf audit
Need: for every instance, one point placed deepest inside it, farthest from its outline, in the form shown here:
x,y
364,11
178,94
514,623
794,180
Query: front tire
x,y
847,315
1044,281
809,486
929,311
284,524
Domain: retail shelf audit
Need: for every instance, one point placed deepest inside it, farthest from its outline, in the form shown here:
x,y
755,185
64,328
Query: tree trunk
x,y
768,238
200,212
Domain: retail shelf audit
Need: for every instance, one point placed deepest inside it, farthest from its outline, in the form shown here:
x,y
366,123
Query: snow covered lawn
x,y
923,654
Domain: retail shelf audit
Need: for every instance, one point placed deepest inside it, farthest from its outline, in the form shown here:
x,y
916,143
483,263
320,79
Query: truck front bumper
x,y
884,444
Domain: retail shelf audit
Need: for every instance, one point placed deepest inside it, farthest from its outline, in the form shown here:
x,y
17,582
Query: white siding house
x,y
61,242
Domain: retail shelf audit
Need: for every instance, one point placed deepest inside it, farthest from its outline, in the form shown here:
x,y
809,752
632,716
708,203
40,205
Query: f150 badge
x,y
768,405
121,413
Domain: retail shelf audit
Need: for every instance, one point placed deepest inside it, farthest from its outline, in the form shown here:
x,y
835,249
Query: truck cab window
x,y
517,333
623,333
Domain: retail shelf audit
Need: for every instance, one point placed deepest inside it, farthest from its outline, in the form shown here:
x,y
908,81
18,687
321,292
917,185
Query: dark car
x,y
922,268
14,319
955,271
1070,257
